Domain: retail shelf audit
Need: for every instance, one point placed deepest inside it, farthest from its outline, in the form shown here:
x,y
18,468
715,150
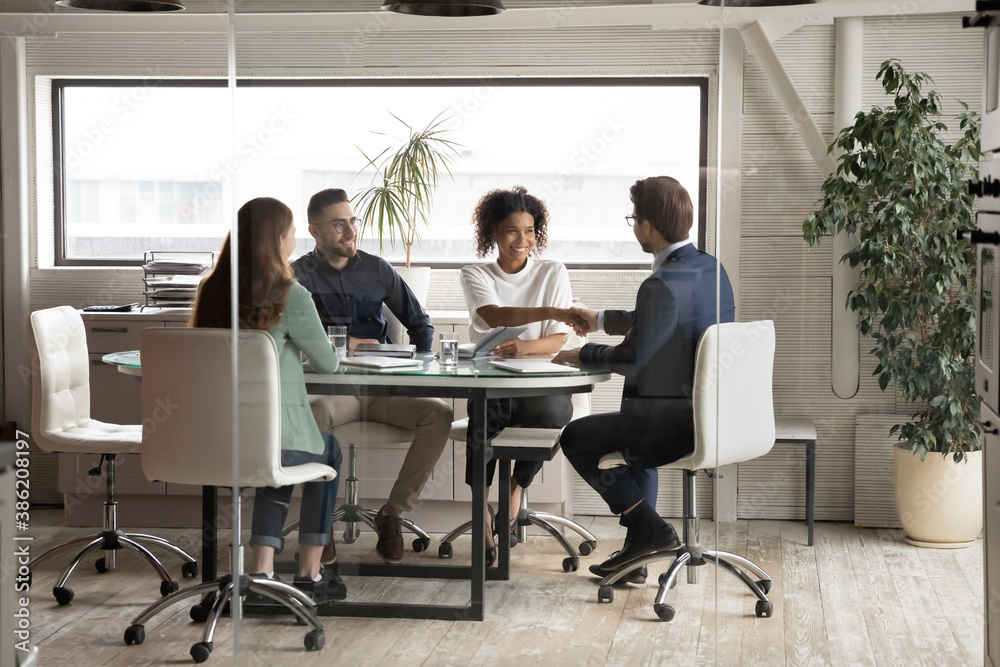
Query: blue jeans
x,y
270,507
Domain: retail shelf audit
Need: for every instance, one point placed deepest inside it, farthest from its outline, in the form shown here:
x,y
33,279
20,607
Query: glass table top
x,y
429,367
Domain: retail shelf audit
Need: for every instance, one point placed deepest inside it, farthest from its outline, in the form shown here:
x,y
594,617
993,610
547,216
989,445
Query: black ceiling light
x,y
124,5
445,7
755,3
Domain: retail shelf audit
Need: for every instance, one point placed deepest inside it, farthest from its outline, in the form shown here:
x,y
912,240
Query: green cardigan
x,y
299,329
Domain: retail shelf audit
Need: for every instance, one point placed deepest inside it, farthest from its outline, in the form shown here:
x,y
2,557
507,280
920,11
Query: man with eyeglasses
x,y
687,292
349,287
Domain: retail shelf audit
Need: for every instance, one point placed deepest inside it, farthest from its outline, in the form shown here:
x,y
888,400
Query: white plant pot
x,y
418,278
940,502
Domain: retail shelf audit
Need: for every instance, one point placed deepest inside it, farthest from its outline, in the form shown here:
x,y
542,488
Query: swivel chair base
x,y
691,556
216,595
111,540
529,517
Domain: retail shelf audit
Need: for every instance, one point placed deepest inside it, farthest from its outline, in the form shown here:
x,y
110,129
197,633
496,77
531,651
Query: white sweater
x,y
541,283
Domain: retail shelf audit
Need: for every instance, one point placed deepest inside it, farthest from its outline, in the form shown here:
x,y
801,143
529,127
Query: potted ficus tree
x,y
398,201
902,191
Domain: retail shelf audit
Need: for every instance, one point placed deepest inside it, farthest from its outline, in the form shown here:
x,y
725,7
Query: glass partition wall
x,y
575,115
319,100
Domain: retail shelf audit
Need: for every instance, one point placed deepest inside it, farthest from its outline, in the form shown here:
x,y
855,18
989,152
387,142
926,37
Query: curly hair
x,y
496,205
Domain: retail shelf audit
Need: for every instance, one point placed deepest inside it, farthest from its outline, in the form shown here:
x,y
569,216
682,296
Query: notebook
x,y
532,366
381,362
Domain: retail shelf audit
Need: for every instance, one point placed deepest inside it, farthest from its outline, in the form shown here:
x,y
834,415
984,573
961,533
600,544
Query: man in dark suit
x,y
687,292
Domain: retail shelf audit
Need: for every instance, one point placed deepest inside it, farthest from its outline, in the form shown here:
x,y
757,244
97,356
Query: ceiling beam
x,y
673,16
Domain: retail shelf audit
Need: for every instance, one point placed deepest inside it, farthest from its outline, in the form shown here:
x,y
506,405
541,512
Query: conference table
x,y
476,380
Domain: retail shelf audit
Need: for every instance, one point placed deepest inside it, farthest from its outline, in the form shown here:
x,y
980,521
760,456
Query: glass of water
x,y
448,356
338,337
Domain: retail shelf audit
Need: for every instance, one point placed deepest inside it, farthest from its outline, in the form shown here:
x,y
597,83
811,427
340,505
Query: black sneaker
x,y
636,576
642,542
329,588
257,599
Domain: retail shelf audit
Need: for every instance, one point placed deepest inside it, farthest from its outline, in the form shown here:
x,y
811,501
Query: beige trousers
x,y
430,417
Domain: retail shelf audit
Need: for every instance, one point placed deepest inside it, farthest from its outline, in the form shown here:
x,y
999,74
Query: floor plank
x,y
856,598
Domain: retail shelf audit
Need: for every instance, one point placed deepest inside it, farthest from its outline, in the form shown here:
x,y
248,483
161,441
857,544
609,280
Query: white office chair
x,y
529,444
733,422
60,418
193,445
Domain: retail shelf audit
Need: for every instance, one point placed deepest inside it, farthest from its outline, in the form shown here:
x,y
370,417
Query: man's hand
x,y
580,324
354,343
588,315
571,357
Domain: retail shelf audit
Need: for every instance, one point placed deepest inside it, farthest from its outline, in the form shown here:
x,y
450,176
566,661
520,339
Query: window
x,y
145,164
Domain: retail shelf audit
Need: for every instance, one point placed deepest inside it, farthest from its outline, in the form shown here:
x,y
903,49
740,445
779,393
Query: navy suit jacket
x,y
674,307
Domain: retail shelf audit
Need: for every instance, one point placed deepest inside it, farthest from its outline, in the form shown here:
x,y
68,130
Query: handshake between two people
x,y
583,321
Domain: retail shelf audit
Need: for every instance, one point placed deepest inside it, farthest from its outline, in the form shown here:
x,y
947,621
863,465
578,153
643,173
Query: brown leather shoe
x,y
390,537
329,554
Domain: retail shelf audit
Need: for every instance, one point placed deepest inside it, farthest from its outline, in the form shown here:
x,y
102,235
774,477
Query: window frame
x,y
58,139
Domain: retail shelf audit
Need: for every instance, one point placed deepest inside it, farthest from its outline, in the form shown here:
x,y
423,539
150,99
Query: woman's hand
x,y
513,348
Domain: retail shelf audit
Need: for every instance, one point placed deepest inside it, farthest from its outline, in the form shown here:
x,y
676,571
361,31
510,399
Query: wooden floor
x,y
859,597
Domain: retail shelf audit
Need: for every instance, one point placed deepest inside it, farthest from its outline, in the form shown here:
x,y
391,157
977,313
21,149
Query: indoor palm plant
x,y
399,198
902,191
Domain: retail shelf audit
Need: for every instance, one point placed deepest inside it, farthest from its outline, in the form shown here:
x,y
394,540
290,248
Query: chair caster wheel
x,y
100,565
189,569
350,536
587,548
445,550
201,651
664,612
168,587
663,579
135,634
421,544
765,585
281,546
63,595
571,564
199,612
605,594
765,608
314,640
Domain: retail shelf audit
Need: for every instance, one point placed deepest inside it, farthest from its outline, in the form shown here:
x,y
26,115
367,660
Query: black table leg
x,y
477,422
209,533
810,485
503,520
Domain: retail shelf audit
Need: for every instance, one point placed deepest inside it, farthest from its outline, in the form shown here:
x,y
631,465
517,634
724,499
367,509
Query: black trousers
x,y
645,442
553,411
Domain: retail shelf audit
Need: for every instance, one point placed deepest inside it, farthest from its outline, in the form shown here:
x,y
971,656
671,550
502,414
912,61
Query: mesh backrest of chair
x,y
61,388
733,406
187,391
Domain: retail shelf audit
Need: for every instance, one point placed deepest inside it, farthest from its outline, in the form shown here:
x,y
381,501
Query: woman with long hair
x,y
270,299
517,289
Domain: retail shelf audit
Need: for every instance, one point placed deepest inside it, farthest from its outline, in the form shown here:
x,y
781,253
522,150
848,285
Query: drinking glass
x,y
338,336
448,356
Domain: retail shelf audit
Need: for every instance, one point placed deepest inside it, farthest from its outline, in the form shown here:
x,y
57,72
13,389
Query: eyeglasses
x,y
632,219
340,224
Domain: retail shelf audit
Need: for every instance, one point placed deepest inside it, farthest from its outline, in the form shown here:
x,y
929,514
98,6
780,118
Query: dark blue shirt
x,y
354,296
